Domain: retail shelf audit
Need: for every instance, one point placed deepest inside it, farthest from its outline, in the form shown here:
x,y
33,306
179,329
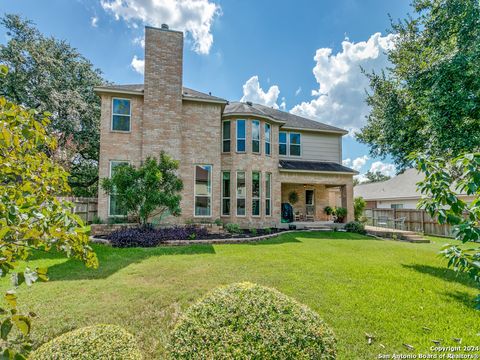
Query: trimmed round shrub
x,y
355,227
248,321
90,343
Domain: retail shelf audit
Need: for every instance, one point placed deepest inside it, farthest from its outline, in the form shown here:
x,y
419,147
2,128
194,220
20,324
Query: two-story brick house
x,y
238,161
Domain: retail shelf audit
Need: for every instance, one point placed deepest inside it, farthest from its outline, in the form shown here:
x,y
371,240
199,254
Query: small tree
x,y
150,190
31,216
444,180
376,176
358,207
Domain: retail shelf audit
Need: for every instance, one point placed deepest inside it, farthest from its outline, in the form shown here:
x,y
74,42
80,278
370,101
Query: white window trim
x,y
223,197
259,137
288,151
223,134
268,174
236,193
239,138
195,190
269,140
109,196
259,198
130,116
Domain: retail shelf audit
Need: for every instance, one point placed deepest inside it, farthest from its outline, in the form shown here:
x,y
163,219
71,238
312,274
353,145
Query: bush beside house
x,y
248,321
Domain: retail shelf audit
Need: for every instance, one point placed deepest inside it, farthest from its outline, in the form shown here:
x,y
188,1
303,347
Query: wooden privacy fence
x,y
407,219
85,207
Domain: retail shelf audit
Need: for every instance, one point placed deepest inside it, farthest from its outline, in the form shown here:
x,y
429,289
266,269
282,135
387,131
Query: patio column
x,y
347,200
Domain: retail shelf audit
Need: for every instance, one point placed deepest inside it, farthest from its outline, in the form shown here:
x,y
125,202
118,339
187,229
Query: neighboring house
x,y
400,192
238,161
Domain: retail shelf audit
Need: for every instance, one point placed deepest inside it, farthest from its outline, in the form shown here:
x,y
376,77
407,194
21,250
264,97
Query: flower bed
x,y
151,237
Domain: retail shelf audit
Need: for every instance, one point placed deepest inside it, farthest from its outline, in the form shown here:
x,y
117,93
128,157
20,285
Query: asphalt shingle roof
x,y
290,120
313,166
244,108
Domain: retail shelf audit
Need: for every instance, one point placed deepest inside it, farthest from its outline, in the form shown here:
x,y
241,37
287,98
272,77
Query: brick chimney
x,y
162,112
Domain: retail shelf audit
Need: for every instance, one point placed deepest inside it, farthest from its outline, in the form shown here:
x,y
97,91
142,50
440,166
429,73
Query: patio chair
x,y
298,216
310,213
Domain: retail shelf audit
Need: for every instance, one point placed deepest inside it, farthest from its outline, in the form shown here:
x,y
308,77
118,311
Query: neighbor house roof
x,y
285,119
314,166
403,186
288,120
138,89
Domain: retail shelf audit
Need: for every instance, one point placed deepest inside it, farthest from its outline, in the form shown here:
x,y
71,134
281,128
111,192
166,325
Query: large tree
x,y
429,99
49,75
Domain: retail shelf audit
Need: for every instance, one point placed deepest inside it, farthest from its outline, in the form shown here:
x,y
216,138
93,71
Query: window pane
x,y
241,145
295,150
268,185
202,205
282,138
282,149
226,207
267,132
241,129
256,146
255,184
226,185
294,138
267,148
226,146
309,197
226,130
241,207
256,207
202,180
115,209
121,106
241,185
121,123
267,207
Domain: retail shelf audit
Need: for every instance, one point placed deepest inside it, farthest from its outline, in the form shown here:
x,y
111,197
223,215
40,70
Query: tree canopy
x,y
428,100
47,74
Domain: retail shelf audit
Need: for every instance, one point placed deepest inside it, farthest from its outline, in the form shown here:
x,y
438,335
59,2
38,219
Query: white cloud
x,y
340,97
347,162
138,64
139,41
192,16
384,168
359,162
254,93
298,91
94,21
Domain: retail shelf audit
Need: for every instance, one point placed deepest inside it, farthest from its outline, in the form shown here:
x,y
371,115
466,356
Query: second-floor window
x,y
255,136
290,144
267,138
226,136
282,143
121,114
295,144
241,135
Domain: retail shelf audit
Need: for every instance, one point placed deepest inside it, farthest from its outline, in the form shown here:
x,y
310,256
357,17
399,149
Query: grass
x,y
357,284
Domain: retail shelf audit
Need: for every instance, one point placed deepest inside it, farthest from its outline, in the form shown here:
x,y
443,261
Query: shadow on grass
x,y
443,273
281,239
463,297
112,260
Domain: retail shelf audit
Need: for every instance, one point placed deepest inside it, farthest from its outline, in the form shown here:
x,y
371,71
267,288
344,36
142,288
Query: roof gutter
x,y
339,131
211,101
108,90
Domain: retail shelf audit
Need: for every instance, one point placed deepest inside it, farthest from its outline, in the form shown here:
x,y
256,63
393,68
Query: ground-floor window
x,y
396,206
114,208
241,193
268,194
226,193
203,190
255,193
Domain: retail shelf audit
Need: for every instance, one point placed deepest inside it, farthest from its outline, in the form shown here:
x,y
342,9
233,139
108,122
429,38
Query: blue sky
x,y
303,56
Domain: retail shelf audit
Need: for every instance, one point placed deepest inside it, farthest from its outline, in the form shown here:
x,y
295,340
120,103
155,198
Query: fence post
x,y
394,217
88,210
423,220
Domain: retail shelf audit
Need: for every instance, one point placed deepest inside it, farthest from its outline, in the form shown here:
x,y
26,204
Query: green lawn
x,y
357,285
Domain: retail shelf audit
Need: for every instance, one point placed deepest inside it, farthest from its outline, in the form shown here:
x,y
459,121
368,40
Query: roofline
x,y
108,90
319,171
339,131
248,115
224,102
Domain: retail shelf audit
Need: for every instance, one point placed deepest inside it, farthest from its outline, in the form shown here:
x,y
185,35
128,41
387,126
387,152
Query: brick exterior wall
x,y
191,132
